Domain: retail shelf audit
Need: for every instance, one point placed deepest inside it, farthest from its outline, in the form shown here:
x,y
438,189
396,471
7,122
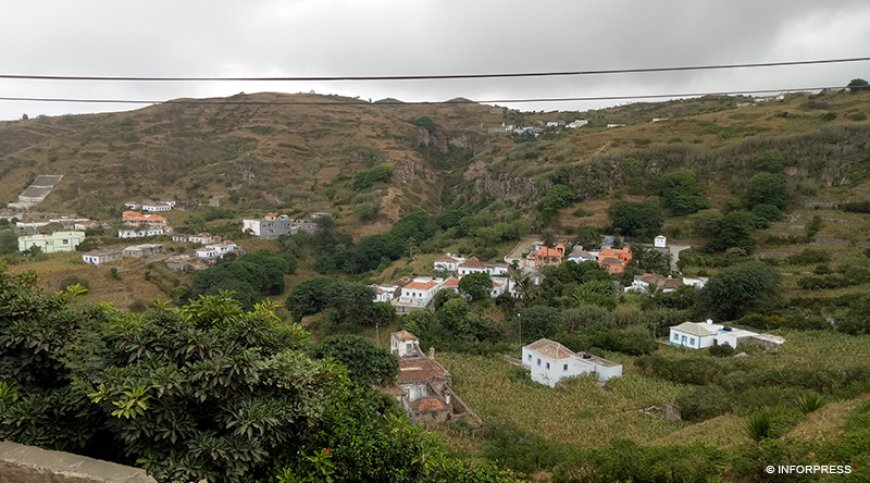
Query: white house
x,y
660,241
642,283
59,241
471,265
577,123
497,269
500,286
448,263
217,250
144,250
550,362
384,293
145,232
157,207
200,238
579,255
404,344
611,126
99,257
699,335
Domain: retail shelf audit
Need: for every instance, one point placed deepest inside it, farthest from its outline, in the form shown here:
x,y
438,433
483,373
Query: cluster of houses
x,y
273,226
536,130
423,386
614,260
212,250
418,293
140,225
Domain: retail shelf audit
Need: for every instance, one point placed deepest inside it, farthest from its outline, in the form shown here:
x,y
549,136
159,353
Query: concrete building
x,y
144,250
700,335
549,362
217,250
99,257
272,226
57,242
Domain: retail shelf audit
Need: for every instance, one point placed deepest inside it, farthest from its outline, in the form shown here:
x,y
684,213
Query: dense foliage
x,y
248,277
639,220
203,391
740,289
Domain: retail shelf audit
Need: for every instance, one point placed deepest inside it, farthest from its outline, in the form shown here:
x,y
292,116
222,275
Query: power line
x,y
425,77
345,102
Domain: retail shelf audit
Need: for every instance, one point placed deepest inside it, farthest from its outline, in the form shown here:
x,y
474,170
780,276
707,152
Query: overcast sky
x,y
404,37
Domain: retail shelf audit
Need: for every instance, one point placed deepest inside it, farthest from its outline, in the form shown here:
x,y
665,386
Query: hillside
x,y
303,157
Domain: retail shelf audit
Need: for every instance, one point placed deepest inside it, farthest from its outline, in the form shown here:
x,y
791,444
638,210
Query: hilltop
x,y
301,152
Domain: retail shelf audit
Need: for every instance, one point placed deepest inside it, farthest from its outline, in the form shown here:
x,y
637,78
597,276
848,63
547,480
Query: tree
x,y
740,289
367,365
728,231
766,188
8,242
595,292
557,197
538,321
681,193
858,85
476,285
635,219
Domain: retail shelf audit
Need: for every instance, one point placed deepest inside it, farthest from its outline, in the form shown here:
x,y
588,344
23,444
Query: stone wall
x,y
29,464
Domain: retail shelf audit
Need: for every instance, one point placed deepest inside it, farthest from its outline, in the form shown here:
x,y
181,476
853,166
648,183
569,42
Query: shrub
x,y
758,426
809,402
809,256
723,350
366,178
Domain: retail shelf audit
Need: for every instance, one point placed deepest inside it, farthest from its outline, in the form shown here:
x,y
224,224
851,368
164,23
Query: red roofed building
x,y
546,257
136,218
614,260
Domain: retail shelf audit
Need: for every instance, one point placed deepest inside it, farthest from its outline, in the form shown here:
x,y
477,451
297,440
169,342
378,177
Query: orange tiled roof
x,y
136,217
428,404
421,285
451,282
421,369
548,252
446,259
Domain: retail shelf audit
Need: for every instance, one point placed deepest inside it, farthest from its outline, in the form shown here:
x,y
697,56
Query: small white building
x,y
697,282
144,250
577,123
699,335
497,269
158,207
404,344
579,255
448,262
57,242
611,126
199,238
217,250
99,257
660,241
155,230
500,286
471,265
384,293
550,362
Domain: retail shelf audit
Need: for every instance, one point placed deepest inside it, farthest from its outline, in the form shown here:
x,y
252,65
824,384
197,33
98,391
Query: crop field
x,y
588,414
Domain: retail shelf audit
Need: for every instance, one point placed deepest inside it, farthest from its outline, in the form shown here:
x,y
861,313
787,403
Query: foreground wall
x,y
29,464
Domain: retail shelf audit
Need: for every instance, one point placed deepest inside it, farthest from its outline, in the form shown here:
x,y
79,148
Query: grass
x,y
584,413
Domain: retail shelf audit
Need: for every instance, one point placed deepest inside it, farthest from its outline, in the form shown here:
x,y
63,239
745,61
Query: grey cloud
x,y
331,37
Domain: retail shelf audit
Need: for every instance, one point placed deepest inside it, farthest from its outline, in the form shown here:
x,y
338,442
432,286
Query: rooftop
x,y
700,329
420,369
403,335
428,404
421,285
550,348
473,262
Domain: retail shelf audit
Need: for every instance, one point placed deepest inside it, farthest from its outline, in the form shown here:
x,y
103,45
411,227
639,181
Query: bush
x,y
635,219
723,350
809,256
758,426
809,402
366,178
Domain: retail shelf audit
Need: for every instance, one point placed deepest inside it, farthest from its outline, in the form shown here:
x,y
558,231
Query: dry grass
x,y
827,422
584,413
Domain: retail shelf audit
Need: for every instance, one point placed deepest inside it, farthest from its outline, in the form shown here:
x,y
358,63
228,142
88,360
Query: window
x,y
691,341
676,336
539,362
565,368
548,366
530,358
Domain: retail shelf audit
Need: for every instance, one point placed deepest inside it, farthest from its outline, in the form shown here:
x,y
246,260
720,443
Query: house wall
x,y
556,371
689,340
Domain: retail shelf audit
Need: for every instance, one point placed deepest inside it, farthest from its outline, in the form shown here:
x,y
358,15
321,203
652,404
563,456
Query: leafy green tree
x,y
557,197
351,302
728,231
858,85
538,321
595,292
476,285
366,178
681,193
639,220
367,365
741,289
8,242
766,188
